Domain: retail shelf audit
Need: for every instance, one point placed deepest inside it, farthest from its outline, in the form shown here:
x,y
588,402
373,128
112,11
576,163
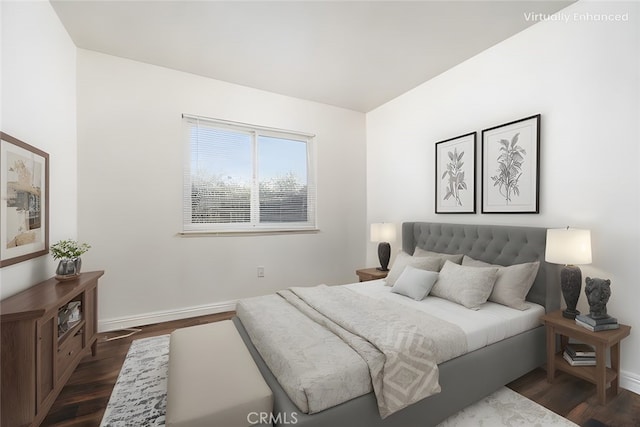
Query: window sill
x,y
229,233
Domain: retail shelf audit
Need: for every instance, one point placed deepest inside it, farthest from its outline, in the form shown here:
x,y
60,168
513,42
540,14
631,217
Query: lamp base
x,y
570,283
384,254
570,314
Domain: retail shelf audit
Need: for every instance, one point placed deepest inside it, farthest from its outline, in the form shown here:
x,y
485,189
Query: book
x,y
587,361
580,350
605,327
596,322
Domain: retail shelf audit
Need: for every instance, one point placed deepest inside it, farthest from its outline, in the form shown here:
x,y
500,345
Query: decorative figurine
x,y
598,292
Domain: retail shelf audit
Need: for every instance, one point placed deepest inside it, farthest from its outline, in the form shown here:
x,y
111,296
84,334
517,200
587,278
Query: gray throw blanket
x,y
400,346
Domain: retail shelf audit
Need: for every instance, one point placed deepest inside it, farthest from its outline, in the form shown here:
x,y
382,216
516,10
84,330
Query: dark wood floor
x,y
84,398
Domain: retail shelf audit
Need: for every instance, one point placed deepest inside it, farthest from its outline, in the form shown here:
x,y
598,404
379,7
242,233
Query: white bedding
x,y
318,369
491,323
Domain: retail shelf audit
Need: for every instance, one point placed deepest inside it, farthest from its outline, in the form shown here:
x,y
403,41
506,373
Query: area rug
x,y
140,395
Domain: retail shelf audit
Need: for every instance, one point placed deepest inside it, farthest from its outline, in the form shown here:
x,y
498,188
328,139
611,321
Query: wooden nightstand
x,y
366,274
600,374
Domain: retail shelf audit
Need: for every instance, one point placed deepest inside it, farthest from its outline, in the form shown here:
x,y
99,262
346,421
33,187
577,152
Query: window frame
x,y
254,226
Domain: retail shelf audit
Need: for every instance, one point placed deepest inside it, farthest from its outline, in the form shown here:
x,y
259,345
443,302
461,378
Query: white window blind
x,y
240,177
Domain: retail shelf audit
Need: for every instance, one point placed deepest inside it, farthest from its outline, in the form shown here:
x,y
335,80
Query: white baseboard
x,y
164,316
630,381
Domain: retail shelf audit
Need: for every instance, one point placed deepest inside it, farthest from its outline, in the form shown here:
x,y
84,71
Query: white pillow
x,y
469,286
512,284
403,259
415,283
456,258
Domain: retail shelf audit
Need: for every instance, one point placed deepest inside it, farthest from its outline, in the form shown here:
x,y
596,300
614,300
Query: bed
x,y
464,379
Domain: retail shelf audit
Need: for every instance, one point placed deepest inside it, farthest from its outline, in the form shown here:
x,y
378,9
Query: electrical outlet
x,y
260,271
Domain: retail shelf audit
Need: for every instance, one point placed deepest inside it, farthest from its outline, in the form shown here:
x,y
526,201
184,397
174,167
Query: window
x,y
247,178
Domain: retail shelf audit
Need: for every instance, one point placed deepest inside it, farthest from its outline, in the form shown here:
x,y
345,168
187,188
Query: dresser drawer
x,y
68,352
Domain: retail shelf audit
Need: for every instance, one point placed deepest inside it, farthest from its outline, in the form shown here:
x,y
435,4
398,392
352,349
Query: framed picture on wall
x,y
455,174
24,193
511,167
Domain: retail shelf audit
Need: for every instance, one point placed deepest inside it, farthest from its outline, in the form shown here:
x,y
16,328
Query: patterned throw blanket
x,y
400,346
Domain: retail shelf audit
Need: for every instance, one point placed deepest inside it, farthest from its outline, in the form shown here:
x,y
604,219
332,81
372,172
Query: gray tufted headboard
x,y
495,244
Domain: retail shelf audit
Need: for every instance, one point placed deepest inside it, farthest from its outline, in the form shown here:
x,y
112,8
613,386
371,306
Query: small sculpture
x,y
598,292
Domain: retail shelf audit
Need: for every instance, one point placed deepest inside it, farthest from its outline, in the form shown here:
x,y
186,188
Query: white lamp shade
x,y
383,232
568,246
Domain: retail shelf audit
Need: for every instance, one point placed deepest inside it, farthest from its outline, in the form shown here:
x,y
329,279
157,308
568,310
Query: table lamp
x,y
383,233
569,246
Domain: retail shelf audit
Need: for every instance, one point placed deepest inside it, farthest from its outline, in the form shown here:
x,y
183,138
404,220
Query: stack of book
x,y
580,354
605,324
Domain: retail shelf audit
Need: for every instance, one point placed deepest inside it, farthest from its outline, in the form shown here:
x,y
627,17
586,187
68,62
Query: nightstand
x,y
366,274
600,375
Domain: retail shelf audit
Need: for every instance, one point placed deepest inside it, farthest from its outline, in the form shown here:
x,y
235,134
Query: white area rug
x,y
505,407
140,394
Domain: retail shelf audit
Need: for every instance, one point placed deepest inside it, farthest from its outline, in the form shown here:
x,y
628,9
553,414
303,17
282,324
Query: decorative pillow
x,y
469,286
403,259
455,258
512,284
415,283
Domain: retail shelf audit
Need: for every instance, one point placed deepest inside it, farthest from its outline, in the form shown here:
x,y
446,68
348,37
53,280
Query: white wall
x,y
39,108
130,194
583,77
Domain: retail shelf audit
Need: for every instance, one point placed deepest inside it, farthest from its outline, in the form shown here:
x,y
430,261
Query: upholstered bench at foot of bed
x,y
213,380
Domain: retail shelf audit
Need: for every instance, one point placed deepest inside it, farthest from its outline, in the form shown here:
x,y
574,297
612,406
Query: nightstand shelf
x,y
602,341
587,373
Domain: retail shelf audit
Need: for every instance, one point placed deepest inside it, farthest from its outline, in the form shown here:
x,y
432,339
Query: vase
x,y
68,269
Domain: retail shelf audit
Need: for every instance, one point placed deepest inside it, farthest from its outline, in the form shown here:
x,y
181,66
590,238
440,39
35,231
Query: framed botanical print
x,y
511,167
455,175
24,208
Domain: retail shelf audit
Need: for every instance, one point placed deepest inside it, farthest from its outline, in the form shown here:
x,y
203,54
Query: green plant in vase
x,y
68,252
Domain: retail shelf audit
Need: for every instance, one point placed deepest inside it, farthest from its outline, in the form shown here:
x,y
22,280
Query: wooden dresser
x,y
38,356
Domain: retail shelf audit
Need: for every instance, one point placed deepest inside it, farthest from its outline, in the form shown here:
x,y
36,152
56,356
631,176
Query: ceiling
x,y
352,54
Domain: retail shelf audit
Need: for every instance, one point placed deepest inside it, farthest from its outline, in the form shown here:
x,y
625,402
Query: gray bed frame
x,y
465,379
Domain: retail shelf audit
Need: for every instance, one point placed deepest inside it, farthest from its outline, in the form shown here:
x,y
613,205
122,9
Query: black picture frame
x,y
455,175
511,167
24,210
